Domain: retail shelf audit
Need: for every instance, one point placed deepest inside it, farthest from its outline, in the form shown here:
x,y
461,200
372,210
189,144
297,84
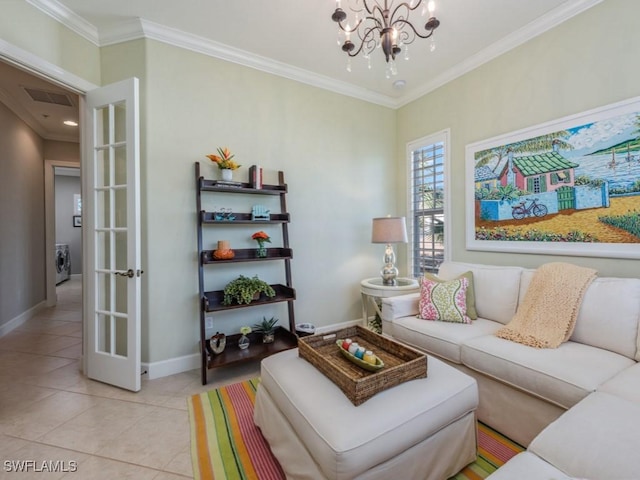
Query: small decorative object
x,y
255,176
346,343
224,215
243,290
243,341
353,348
373,363
218,342
225,162
260,213
267,328
303,329
261,237
223,252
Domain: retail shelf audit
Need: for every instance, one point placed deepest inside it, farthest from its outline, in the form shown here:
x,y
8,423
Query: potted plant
x,y
225,162
243,290
267,328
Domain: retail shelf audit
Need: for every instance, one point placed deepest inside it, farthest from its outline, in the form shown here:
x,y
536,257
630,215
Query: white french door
x,y
111,209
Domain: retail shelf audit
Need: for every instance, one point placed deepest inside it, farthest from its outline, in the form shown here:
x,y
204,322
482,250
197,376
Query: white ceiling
x,y
297,39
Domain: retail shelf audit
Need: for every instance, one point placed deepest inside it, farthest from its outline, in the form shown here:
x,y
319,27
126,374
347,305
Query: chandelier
x,y
381,24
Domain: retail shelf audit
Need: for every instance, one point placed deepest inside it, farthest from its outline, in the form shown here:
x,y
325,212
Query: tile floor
x,y
50,412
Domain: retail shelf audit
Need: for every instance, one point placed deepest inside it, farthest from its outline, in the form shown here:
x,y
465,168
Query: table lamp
x,y
389,230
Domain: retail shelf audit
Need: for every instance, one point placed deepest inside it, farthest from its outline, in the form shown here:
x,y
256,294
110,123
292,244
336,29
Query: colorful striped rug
x,y
226,445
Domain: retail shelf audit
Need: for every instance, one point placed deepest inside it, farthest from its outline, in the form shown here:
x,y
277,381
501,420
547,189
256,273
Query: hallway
x,y
50,412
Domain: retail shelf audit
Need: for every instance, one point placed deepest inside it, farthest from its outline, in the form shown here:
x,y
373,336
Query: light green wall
x,y
586,62
336,153
26,27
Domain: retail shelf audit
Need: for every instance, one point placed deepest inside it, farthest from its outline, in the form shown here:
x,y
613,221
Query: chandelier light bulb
x,y
432,8
406,52
349,64
432,46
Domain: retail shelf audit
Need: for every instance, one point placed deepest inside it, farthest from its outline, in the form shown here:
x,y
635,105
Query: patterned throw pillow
x,y
444,301
471,294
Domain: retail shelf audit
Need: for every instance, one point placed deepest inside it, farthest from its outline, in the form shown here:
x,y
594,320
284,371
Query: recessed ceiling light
x,y
70,123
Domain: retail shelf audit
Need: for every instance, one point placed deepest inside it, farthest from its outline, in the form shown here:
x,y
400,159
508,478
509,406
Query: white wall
x,y
337,155
584,63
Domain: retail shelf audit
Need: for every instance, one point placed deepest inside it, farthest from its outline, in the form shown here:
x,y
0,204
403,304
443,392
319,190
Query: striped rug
x,y
226,445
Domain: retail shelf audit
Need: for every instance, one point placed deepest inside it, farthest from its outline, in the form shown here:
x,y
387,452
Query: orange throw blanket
x,y
547,315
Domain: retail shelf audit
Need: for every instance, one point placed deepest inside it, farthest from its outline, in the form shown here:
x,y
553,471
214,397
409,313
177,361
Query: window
x,y
427,203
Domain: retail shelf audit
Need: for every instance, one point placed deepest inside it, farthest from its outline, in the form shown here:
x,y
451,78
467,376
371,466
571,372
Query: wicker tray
x,y
401,363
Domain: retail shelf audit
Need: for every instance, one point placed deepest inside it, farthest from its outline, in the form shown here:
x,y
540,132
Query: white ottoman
x,y
421,429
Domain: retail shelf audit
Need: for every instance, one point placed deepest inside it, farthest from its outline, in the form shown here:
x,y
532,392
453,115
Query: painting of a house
x,y
568,183
542,172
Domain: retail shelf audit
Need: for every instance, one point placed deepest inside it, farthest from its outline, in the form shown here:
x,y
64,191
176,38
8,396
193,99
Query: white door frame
x,y
50,224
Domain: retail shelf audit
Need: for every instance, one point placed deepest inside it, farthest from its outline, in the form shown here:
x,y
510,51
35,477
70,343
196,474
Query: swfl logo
x,y
59,466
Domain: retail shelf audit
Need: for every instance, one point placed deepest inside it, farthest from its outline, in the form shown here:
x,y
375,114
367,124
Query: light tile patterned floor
x,y
50,412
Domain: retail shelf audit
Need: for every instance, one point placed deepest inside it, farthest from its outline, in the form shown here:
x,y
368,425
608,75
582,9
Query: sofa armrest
x,y
400,306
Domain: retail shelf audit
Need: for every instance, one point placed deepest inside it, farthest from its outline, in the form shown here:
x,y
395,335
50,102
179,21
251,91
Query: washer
x,y
63,262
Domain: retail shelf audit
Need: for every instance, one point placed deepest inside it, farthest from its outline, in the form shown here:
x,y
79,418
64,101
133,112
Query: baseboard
x,y
172,366
20,319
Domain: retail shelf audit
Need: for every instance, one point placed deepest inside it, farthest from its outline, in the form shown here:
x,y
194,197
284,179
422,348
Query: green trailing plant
x,y
243,289
266,326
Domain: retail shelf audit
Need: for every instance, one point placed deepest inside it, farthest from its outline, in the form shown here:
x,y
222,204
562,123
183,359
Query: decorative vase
x,y
243,342
227,174
218,342
268,337
261,252
223,252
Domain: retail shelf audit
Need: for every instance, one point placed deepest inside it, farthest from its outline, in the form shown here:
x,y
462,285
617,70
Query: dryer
x,y
63,262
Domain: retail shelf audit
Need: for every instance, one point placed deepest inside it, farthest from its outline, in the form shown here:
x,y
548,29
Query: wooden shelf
x,y
284,340
243,219
248,255
244,187
212,301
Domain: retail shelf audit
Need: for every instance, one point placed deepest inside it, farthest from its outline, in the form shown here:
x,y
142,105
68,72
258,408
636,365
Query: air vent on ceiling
x,y
49,97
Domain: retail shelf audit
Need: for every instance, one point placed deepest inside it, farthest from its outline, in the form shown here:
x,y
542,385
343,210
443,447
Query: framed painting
x,y
566,187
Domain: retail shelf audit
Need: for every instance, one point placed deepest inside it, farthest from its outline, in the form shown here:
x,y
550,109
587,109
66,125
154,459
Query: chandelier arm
x,y
363,40
352,29
369,10
407,6
405,22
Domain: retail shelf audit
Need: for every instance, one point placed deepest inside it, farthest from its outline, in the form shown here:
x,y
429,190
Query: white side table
x,y
373,289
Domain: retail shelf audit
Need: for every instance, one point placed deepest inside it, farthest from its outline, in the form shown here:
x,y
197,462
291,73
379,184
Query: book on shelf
x,y
227,183
255,176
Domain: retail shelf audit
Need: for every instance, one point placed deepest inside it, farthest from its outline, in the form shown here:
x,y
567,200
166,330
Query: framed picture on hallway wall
x,y
77,221
566,187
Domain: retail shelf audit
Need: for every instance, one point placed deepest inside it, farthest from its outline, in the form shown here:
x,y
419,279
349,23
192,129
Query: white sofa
x,y
523,389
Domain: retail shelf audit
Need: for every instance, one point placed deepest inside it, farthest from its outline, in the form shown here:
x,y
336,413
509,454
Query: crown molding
x,y
548,21
68,18
139,28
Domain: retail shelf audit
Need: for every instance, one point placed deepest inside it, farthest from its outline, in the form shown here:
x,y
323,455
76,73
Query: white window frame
x,y
439,137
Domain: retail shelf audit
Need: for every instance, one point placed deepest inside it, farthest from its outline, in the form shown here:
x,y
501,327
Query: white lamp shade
x,y
389,230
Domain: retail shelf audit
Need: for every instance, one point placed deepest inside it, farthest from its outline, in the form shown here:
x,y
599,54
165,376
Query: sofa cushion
x,y
598,438
442,339
496,288
527,466
471,296
626,384
563,375
609,315
444,301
